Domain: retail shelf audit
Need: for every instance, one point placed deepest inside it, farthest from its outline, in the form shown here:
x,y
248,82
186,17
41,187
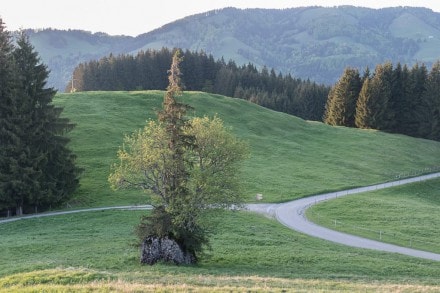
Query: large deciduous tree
x,y
189,166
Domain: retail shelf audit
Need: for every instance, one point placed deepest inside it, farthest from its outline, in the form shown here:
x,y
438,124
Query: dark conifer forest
x,y
395,99
200,72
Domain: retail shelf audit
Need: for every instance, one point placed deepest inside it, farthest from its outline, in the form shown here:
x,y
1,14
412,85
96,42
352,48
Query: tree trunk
x,y
19,211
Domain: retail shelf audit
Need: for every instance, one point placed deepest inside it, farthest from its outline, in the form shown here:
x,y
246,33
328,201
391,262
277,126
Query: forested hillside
x,y
309,42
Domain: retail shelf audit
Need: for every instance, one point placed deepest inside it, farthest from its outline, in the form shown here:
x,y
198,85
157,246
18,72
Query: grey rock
x,y
164,249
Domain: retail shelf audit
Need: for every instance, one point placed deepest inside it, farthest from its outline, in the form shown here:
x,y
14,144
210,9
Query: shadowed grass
x,y
290,158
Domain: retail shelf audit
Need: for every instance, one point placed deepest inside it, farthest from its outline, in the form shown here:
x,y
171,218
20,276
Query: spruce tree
x,y
416,86
54,164
372,105
173,117
8,110
363,108
430,106
341,103
36,167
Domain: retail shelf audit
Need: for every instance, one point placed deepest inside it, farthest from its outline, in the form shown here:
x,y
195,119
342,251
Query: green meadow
x,y
290,158
405,215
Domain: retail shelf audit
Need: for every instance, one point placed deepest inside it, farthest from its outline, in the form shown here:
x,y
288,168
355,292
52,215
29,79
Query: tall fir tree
x,y
36,167
430,106
341,103
8,110
372,105
396,102
174,119
52,160
416,90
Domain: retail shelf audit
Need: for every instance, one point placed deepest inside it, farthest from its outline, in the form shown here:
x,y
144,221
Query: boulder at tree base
x,y
156,249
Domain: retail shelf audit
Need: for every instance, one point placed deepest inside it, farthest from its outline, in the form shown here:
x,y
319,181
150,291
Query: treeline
x,y
395,99
200,72
37,170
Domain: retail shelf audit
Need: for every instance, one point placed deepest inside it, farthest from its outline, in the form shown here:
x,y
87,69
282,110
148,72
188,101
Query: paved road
x,y
51,214
292,215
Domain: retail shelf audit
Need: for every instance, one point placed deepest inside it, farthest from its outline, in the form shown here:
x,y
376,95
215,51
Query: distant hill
x,y
62,50
309,42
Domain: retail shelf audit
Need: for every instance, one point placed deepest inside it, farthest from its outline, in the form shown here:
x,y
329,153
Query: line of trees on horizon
x,y
395,99
147,70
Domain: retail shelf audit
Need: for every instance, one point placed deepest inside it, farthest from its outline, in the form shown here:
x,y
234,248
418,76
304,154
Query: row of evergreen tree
x,y
37,170
395,99
200,72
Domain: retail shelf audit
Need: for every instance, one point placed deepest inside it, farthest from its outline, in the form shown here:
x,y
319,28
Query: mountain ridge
x,y
307,42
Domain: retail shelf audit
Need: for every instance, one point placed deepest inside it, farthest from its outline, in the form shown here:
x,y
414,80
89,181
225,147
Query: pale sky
x,y
133,17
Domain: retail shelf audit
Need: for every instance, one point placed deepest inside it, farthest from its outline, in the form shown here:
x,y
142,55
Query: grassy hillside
x,y
248,251
290,157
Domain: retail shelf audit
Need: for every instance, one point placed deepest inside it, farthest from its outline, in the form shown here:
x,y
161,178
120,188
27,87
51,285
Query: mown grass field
x,y
290,158
406,215
248,251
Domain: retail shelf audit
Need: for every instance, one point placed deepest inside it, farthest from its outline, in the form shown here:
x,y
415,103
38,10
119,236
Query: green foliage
x,y
185,164
430,121
372,104
394,99
217,159
341,103
37,169
8,137
211,168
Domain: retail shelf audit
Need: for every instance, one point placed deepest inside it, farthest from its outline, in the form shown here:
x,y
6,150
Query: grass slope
x,y
406,215
246,249
290,157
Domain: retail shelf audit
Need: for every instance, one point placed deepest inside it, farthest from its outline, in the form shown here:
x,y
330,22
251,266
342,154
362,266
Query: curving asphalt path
x,y
292,215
